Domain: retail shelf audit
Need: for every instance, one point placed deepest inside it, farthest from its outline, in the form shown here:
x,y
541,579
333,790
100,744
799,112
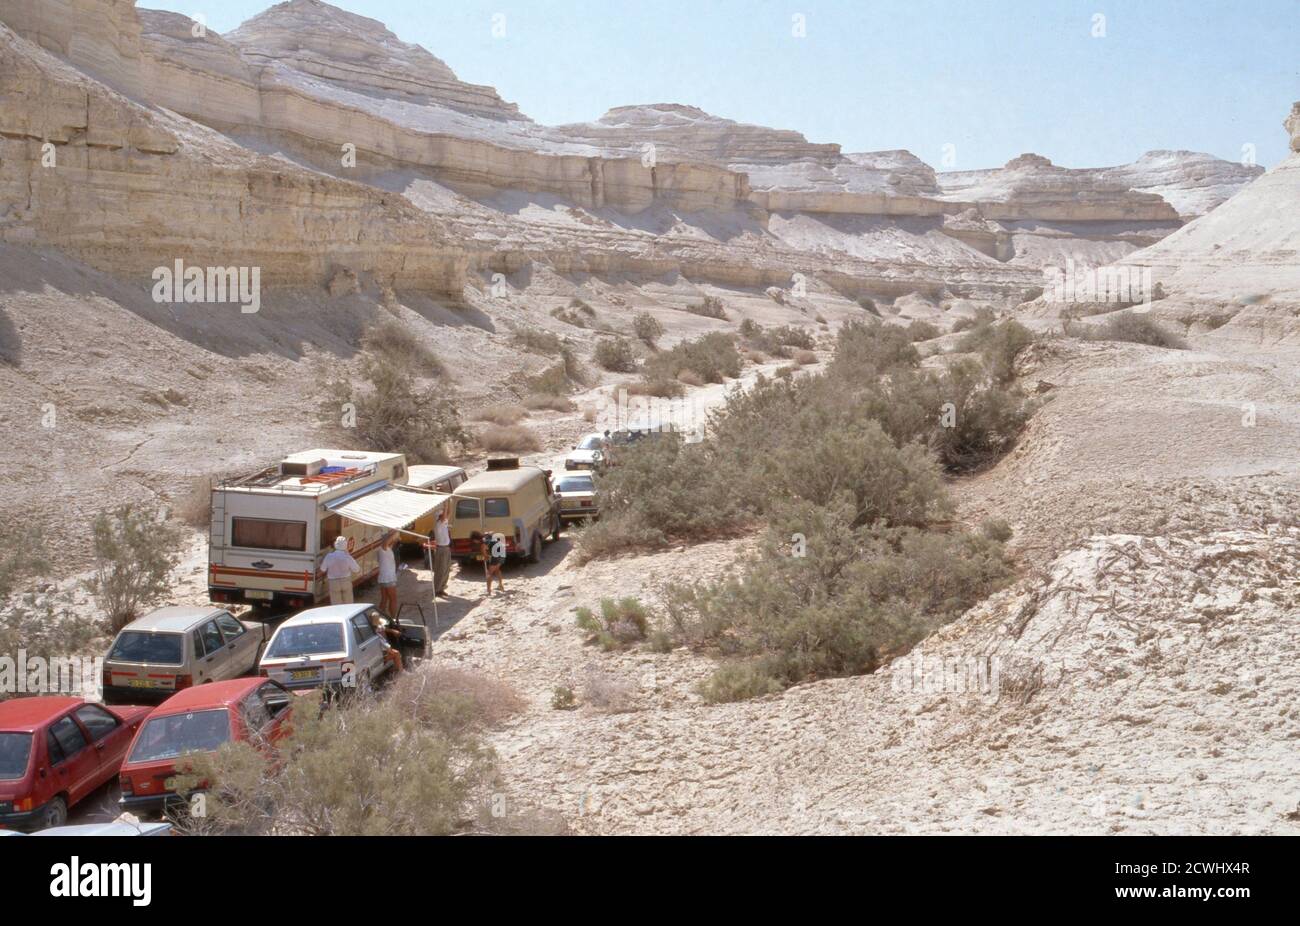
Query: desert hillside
x,y
1147,631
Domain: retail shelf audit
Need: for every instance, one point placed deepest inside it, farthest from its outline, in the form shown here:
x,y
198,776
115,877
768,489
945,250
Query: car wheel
x,y
55,813
535,551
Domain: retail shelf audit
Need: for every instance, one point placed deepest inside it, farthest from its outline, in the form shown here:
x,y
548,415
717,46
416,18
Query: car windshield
x,y
307,640
592,442
575,484
15,748
142,646
169,737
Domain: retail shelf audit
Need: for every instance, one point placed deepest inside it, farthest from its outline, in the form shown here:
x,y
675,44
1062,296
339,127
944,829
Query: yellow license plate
x,y
299,675
170,784
142,683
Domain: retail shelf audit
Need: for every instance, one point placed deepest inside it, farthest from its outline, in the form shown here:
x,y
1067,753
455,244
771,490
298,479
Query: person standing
x,y
491,549
441,553
388,575
339,567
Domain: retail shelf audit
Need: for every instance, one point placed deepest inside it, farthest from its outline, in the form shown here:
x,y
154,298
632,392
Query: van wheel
x,y
558,526
55,813
535,551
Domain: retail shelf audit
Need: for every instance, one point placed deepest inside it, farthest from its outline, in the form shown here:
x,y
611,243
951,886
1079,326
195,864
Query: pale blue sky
x,y
994,78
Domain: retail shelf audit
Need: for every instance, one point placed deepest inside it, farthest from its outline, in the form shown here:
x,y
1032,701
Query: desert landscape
x,y
1140,498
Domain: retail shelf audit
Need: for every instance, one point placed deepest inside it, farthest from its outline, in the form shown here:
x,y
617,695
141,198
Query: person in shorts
x,y
492,551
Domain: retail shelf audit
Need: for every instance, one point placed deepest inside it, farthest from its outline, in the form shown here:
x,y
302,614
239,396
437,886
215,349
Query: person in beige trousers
x,y
339,567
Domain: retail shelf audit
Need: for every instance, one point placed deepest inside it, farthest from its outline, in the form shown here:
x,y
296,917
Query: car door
x,y
241,646
370,650
209,653
108,737
75,764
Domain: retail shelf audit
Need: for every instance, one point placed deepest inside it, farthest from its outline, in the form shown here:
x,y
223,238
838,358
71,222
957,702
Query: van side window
x,y
466,508
496,507
265,534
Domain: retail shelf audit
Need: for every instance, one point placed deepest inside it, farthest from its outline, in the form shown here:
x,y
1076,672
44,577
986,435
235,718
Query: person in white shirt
x,y
339,567
388,575
441,554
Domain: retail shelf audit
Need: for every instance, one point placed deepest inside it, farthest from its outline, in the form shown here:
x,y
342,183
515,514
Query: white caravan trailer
x,y
270,529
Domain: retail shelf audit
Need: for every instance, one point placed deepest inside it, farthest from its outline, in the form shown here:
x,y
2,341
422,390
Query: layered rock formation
x,y
128,189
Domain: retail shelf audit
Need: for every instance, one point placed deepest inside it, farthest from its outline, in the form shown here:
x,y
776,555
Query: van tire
x,y
535,549
556,526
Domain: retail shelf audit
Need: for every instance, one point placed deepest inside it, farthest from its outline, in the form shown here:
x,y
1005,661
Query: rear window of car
x,y
591,443
15,750
575,484
307,640
496,507
141,646
169,737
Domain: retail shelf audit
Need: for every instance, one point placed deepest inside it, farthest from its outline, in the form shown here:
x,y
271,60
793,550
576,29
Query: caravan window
x,y
330,528
268,535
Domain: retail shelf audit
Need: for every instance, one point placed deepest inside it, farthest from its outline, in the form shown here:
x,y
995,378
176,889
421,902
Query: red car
x,y
198,720
56,750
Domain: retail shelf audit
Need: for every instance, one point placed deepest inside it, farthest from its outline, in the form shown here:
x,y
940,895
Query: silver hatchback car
x,y
178,647
334,647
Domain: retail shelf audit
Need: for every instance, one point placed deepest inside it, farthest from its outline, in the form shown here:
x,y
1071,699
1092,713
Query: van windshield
x,y
15,748
169,737
307,640
165,649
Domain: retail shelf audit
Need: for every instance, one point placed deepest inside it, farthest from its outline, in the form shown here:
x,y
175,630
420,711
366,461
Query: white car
x,y
588,454
335,646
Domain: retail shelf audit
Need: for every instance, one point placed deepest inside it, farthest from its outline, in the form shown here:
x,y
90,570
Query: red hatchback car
x,y
56,750
198,720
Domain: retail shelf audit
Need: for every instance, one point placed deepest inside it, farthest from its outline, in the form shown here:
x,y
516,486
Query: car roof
x,y
113,828
213,694
499,480
425,474
329,614
176,618
27,714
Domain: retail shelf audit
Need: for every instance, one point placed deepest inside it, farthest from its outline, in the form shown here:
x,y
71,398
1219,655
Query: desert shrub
x,y
615,355
50,626
369,768
866,303
1133,327
547,402
690,378
739,681
453,698
509,438
647,328
713,357
856,596
501,413
620,623
135,551
804,357
749,329
23,554
563,698
709,307
576,313
996,529
776,342
865,351
657,386
999,345
393,342
537,341
920,330
385,410
979,418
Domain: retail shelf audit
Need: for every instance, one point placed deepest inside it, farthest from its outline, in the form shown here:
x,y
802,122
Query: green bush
x,y
385,410
615,355
620,623
713,357
135,551
392,342
1133,327
999,345
647,328
23,554
709,307
922,331
739,681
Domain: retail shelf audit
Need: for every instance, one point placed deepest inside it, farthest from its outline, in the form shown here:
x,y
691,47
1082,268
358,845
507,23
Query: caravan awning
x,y
393,507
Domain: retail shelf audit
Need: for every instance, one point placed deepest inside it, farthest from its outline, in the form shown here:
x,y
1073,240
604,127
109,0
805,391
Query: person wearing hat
x,y
339,567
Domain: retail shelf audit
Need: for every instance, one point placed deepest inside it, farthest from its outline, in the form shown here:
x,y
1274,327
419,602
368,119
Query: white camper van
x,y
270,529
